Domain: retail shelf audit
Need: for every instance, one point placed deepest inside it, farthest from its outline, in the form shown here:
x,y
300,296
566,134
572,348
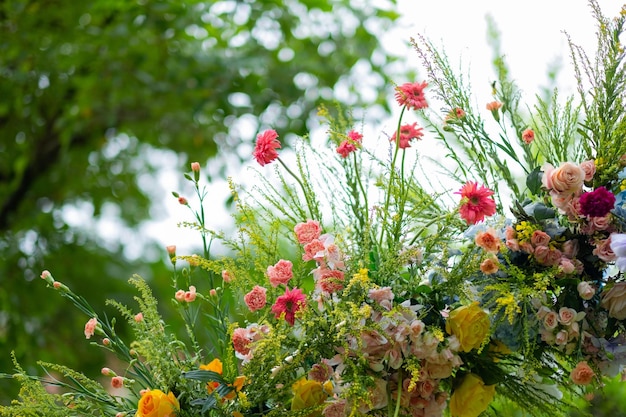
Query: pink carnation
x,y
280,273
493,105
256,299
90,327
265,148
117,382
345,148
528,136
190,295
331,280
312,250
241,341
227,276
307,232
355,136
351,144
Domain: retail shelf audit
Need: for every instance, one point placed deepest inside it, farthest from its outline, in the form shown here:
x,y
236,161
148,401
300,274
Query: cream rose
x,y
614,300
568,178
585,290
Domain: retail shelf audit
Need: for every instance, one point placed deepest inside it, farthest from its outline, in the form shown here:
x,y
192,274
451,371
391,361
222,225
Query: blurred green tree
x,y
90,89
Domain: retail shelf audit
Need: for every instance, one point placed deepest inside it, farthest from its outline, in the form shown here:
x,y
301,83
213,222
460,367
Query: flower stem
x,y
304,190
391,178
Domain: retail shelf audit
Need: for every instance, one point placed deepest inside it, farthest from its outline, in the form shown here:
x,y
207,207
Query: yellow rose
x,y
155,403
470,324
471,398
216,366
308,393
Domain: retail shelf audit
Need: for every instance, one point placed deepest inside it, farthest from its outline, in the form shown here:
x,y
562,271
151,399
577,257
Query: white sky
x,y
531,33
532,38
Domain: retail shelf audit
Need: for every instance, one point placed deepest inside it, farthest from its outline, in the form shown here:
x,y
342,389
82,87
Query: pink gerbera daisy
x,y
289,304
476,203
265,148
411,95
408,132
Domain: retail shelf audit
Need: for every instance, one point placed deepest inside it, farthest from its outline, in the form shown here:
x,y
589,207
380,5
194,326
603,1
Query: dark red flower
x,y
597,203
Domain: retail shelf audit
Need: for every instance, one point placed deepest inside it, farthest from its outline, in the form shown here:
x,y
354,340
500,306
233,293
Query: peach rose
x,y
582,374
541,254
603,250
510,233
568,178
488,240
589,168
566,265
599,223
540,238
489,266
614,300
570,248
513,245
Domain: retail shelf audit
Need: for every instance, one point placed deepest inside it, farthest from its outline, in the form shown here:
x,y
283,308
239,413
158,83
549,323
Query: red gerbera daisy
x,y
265,148
476,203
289,304
411,95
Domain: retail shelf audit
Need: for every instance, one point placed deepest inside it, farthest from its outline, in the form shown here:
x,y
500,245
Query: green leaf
x,y
533,181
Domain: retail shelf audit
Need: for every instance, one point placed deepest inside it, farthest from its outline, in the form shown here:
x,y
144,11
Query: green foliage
x,y
91,95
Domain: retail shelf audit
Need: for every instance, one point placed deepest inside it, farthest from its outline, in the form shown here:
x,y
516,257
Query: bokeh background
x,y
104,103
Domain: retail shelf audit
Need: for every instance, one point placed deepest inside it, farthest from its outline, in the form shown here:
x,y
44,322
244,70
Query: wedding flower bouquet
x,y
360,283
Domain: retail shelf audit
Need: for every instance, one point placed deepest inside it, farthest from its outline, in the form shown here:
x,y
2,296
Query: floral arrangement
x,y
359,285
